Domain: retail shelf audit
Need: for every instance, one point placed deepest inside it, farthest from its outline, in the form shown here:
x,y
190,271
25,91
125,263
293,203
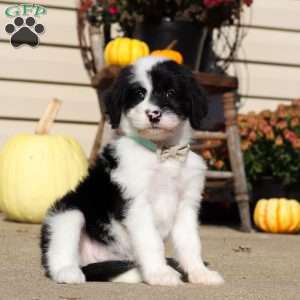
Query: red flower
x,y
212,3
113,10
248,2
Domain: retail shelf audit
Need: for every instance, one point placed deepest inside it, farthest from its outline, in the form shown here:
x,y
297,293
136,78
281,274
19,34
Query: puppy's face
x,y
153,98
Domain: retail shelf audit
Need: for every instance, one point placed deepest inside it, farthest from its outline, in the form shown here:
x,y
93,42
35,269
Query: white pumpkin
x,y
36,170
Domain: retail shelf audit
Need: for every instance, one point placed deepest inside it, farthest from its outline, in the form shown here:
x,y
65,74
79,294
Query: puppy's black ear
x,y
115,98
198,104
195,98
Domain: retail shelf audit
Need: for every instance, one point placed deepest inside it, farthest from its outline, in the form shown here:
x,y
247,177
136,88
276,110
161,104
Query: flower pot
x,y
268,187
293,192
191,39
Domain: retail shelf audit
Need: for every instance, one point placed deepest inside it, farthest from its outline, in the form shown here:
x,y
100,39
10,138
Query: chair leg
x,y
236,161
97,141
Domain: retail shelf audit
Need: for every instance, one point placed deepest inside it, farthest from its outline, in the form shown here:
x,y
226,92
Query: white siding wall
x,y
60,72
269,61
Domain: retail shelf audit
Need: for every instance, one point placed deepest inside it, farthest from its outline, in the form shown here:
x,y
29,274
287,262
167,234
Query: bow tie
x,y
176,152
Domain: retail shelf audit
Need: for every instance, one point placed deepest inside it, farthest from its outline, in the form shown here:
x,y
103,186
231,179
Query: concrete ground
x,y
255,266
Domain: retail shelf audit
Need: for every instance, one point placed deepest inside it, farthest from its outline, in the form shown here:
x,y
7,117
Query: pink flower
x,y
113,10
290,136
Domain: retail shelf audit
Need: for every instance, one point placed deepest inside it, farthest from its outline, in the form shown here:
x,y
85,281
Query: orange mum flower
x,y
282,125
252,136
219,164
279,140
266,114
296,102
207,155
296,144
245,145
273,121
294,122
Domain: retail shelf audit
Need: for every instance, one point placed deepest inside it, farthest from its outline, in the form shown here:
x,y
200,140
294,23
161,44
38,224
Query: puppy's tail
x,y
120,271
113,271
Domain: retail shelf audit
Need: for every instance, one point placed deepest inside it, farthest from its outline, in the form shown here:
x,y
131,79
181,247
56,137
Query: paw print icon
x,y
24,32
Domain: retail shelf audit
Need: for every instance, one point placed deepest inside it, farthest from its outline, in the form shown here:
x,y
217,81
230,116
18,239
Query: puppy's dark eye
x,y
140,93
170,93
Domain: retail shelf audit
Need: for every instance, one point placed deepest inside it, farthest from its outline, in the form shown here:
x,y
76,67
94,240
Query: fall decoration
x,y
37,169
169,53
277,215
212,13
270,141
124,51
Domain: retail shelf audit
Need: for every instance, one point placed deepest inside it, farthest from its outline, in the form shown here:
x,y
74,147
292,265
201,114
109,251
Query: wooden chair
x,y
214,84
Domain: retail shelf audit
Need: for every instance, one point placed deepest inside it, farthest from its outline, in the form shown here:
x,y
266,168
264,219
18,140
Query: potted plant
x,y
190,22
270,141
271,145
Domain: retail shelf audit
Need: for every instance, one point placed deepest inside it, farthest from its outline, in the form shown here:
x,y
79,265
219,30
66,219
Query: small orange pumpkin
x,y
169,53
277,215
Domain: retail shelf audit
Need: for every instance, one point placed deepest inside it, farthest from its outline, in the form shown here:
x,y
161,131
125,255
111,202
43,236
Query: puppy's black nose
x,y
154,116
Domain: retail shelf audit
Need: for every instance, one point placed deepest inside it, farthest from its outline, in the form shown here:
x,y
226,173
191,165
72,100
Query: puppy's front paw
x,y
166,276
205,276
70,274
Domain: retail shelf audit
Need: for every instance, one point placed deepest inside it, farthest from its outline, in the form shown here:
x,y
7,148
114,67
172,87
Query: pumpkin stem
x,y
172,44
46,121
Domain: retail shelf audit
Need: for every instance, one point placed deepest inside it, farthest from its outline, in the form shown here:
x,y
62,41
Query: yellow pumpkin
x,y
277,215
169,53
36,170
124,51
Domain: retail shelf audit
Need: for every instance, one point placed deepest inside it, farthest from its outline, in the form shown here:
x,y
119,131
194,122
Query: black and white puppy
x,y
145,187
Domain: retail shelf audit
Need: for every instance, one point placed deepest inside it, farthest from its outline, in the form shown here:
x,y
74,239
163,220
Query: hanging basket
x,y
86,34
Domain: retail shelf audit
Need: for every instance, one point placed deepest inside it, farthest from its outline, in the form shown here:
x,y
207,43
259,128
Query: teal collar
x,y
145,143
176,152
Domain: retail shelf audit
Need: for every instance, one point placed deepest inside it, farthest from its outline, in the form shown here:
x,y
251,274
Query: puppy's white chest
x,y
164,195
